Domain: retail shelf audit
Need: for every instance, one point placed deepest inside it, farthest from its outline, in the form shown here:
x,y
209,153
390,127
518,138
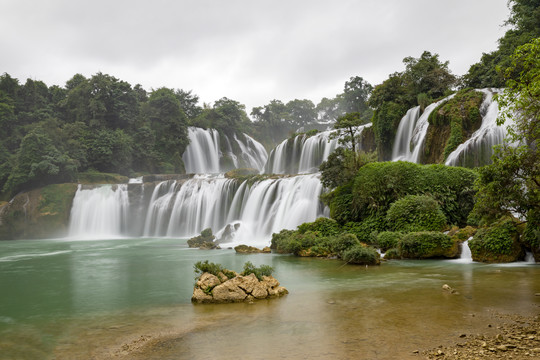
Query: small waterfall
x,y
202,154
402,143
477,150
529,258
302,154
466,256
99,212
253,153
420,130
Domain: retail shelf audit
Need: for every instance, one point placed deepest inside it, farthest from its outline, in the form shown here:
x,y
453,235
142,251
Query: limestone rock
x,y
228,292
201,297
245,249
246,283
259,291
208,281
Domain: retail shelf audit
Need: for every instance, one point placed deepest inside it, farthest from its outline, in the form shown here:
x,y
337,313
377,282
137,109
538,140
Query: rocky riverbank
x,y
517,338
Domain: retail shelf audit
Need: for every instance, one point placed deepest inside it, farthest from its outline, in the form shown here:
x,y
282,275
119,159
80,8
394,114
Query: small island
x,y
217,285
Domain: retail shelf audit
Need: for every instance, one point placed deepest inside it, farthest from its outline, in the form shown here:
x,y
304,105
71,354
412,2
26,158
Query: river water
x,y
130,299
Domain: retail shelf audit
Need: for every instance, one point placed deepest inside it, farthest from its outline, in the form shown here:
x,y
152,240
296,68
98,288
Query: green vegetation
x,y
451,124
387,240
415,213
361,255
368,196
203,241
202,267
427,244
263,270
497,243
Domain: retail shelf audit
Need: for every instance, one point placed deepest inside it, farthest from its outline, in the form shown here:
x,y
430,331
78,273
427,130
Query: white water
x,y
204,153
420,131
184,208
303,154
402,143
466,256
477,150
100,212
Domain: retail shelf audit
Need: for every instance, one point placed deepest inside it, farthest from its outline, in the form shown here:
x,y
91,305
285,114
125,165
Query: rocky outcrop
x,y
204,241
220,289
245,249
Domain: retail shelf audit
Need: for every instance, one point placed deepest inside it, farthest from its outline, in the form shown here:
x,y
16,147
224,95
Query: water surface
x,y
130,298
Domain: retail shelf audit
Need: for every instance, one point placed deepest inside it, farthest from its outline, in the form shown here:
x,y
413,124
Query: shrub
x,y
427,244
280,240
368,196
212,268
362,255
392,254
263,270
415,213
205,240
388,239
366,230
498,243
344,242
323,226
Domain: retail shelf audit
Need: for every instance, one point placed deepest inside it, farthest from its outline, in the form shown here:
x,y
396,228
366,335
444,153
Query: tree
x,y
356,94
347,127
301,112
329,110
516,163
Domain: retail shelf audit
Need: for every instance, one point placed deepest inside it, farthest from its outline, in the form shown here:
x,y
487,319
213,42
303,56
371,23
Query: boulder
x,y
200,297
208,281
246,283
228,292
245,249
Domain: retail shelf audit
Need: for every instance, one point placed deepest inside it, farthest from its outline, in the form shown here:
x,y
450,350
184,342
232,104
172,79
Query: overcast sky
x,y
247,50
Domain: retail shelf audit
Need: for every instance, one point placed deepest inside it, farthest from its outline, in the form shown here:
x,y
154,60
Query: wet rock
x,y
228,292
245,249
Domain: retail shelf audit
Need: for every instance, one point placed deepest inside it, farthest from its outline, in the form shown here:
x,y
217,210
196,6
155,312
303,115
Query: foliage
x,y
204,240
387,240
516,167
202,267
263,270
415,213
344,242
361,255
525,26
424,78
366,230
426,244
498,243
322,226
461,116
94,177
368,196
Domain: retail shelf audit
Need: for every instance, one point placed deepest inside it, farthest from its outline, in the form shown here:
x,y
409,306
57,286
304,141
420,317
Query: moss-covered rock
x,y
451,124
531,234
37,214
203,241
497,244
101,178
426,245
415,213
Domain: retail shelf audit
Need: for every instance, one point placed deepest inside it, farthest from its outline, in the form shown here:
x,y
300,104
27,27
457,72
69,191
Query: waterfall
x,y
205,154
466,255
100,212
202,154
302,154
402,143
477,150
183,208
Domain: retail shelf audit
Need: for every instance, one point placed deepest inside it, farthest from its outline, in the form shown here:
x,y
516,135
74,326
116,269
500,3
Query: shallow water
x,y
130,298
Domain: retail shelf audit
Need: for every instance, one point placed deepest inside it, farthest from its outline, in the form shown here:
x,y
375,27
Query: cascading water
x,y
418,135
404,133
100,212
477,150
184,208
204,154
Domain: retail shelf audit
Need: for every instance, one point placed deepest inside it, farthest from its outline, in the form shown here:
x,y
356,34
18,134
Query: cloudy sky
x,y
247,50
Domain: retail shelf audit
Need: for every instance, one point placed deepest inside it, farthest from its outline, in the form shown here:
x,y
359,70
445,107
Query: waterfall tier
x,y
210,152
183,208
478,149
303,154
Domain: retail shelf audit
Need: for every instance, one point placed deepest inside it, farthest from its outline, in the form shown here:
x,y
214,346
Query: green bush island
x,y
427,244
387,240
361,255
263,270
498,243
415,213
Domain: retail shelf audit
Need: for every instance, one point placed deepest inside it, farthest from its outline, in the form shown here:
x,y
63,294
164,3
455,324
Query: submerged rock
x,y
220,289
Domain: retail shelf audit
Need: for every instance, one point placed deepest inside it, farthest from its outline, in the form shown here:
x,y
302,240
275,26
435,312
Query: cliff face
x,y
37,214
